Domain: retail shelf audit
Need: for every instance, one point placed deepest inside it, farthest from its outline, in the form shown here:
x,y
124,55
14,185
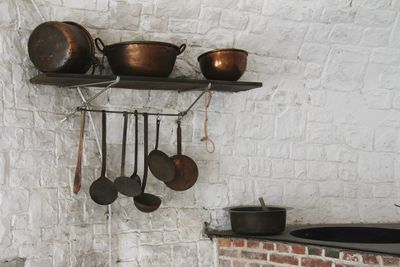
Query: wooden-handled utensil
x,y
78,170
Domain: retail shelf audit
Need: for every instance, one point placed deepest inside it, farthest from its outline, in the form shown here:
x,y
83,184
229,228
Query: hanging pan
x,y
186,171
160,165
146,202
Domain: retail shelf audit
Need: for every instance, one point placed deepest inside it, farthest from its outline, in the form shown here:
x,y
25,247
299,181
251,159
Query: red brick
x,y
253,244
345,265
254,255
310,262
268,246
228,253
278,258
390,261
224,242
370,259
239,243
298,249
238,264
282,247
350,256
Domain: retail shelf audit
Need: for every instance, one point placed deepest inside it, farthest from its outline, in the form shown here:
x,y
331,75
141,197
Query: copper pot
x,y
223,64
142,58
64,47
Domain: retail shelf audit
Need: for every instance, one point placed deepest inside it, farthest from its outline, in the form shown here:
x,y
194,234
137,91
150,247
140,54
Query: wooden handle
x,y
78,170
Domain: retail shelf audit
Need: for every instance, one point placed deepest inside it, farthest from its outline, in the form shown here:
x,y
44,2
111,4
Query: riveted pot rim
x,y
222,50
142,42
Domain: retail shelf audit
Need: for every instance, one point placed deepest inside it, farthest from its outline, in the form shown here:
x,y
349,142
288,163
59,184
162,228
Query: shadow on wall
x,y
16,262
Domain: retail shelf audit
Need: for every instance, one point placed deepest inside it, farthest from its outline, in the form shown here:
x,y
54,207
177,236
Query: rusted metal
x,y
186,171
160,165
63,47
143,58
146,202
223,64
103,191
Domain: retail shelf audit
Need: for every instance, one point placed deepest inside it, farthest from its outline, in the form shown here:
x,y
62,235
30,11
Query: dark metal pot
x,y
142,58
63,47
255,221
223,64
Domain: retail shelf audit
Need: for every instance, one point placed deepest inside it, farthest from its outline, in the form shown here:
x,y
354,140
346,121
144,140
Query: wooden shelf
x,y
144,83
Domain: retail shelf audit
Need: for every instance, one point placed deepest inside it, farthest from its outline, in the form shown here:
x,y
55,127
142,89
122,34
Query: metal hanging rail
x,y
179,114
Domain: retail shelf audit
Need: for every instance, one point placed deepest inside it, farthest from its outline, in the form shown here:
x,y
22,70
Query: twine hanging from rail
x,y
210,146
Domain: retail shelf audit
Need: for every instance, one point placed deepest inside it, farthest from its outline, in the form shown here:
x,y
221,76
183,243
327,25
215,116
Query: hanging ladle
x,y
134,175
160,165
103,191
146,202
124,184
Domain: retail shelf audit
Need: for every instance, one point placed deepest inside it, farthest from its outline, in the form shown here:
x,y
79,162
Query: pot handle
x,y
100,44
182,48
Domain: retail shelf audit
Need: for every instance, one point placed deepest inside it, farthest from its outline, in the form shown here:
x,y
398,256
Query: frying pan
x,y
124,184
146,202
186,171
160,165
103,191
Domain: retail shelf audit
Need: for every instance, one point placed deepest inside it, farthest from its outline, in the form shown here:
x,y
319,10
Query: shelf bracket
x,y
88,101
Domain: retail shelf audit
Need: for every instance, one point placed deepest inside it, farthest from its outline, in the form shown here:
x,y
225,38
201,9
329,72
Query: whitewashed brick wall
x,y
320,136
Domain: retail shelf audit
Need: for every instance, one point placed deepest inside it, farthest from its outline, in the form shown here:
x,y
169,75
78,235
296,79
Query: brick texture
x,y
321,135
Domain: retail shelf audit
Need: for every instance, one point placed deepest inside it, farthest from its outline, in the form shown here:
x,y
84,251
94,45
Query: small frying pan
x,y
124,184
160,165
103,191
186,171
146,202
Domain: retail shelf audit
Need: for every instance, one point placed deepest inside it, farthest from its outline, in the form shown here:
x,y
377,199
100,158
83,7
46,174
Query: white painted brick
x,y
291,124
259,167
180,9
331,189
289,10
345,69
386,139
282,168
239,190
345,34
372,4
182,26
386,56
184,254
14,201
43,210
233,20
375,37
374,166
316,53
318,33
322,170
91,4
334,15
375,18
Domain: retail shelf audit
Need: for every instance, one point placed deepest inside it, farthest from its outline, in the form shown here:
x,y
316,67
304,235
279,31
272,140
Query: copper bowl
x,y
223,64
141,58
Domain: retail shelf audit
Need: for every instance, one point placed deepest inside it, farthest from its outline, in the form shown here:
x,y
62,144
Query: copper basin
x,y
223,64
143,58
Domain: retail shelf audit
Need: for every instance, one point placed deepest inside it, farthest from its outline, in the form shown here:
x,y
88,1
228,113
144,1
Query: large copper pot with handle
x,y
141,58
64,47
